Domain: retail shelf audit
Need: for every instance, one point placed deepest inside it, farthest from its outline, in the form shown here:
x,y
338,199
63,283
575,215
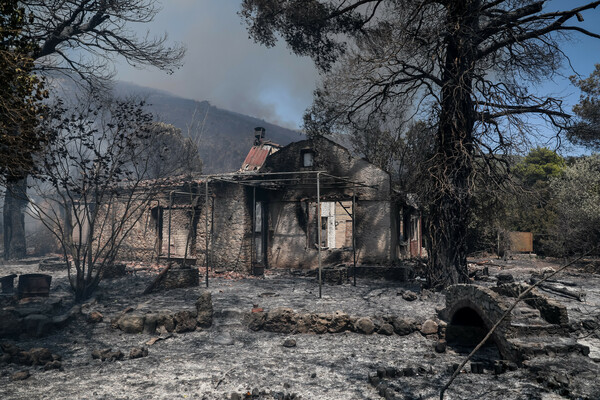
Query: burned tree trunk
x,y
15,202
452,166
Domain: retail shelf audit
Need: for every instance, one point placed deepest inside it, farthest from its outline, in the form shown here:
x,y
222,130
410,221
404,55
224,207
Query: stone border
x,y
286,320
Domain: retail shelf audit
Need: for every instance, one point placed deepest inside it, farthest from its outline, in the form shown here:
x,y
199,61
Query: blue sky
x,y
226,68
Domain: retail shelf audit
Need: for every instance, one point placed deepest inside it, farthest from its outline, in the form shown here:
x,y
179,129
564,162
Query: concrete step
x,y
545,345
537,328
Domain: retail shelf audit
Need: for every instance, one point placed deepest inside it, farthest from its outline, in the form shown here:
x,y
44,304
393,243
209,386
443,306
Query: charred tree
x,y
79,40
463,66
15,202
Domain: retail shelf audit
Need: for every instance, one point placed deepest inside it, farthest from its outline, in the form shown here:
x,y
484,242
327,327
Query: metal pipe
x,y
354,233
319,233
253,243
206,227
169,239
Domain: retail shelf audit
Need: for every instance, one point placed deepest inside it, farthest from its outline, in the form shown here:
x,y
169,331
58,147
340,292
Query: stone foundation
x,y
179,277
169,321
286,320
334,275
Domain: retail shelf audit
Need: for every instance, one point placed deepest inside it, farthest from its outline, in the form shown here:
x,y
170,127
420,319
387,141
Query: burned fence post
x,y
206,227
319,232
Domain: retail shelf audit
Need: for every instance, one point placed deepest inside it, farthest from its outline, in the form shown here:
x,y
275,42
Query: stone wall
x,y
292,212
229,222
231,228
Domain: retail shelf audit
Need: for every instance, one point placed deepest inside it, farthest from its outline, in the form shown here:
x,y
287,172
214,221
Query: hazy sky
x,y
226,68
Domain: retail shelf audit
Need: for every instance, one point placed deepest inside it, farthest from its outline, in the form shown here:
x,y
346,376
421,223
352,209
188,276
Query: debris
x,y
114,323
440,346
20,376
157,280
505,277
107,355
409,296
563,290
289,342
138,352
156,339
223,378
94,317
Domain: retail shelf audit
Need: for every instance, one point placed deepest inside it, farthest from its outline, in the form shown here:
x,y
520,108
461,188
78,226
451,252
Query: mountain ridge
x,y
224,137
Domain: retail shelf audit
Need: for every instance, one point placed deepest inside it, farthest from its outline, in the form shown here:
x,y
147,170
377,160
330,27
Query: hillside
x,y
224,136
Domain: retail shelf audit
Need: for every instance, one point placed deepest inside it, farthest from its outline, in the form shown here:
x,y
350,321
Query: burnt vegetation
x,y
464,67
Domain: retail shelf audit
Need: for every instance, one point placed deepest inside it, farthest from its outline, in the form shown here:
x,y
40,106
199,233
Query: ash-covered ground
x,y
228,359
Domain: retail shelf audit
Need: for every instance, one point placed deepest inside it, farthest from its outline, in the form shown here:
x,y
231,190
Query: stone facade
x,y
274,224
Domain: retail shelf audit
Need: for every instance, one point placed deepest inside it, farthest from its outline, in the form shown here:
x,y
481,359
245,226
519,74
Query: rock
x,y
166,320
150,323
204,308
107,355
403,327
131,323
289,342
256,321
94,317
386,329
504,277
305,323
235,396
511,366
9,348
381,372
408,371
281,320
138,352
390,372
53,365
429,327
38,356
373,379
409,295
224,339
562,379
440,346
185,321
364,325
339,322
20,376
319,323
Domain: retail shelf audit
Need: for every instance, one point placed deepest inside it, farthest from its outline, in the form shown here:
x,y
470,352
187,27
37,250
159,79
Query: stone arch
x,y
480,308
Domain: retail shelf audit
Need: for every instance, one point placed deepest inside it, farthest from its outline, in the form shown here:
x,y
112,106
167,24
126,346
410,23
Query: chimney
x,y
259,134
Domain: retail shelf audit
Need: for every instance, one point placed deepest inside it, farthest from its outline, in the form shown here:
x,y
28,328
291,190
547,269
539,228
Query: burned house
x,y
291,207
